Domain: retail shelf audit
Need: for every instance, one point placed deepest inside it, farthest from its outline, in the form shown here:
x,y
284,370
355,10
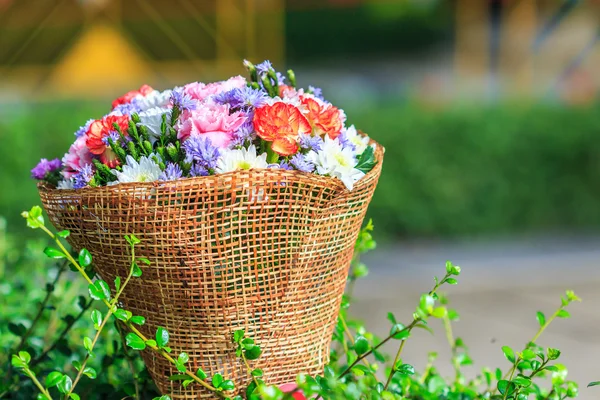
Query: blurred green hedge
x,y
447,172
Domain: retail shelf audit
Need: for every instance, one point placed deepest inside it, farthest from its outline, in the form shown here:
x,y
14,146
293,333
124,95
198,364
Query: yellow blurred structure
x,y
71,48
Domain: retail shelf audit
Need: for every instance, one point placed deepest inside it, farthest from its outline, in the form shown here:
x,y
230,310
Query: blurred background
x,y
488,109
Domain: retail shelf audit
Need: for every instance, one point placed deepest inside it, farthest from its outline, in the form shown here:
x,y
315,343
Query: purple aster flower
x,y
83,177
83,130
245,132
300,162
285,165
132,107
264,67
201,151
171,172
198,170
114,135
309,142
280,79
317,92
183,101
345,142
245,98
45,167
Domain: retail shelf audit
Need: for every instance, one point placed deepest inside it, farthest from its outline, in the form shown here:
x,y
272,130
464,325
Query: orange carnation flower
x,y
127,97
324,118
281,123
98,131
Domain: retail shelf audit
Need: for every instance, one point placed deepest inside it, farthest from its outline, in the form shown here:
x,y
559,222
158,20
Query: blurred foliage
x,y
370,28
497,169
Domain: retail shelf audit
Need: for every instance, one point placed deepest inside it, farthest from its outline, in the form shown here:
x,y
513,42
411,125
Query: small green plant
x,y
359,369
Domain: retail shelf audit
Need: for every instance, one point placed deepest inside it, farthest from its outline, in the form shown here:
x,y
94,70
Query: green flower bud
x,y
148,146
291,77
173,152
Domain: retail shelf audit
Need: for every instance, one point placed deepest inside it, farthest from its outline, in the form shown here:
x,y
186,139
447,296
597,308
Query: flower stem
x,y
37,383
389,379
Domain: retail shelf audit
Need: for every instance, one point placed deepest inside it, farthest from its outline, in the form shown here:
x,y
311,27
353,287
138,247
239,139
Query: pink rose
x,y
211,120
293,389
78,156
201,91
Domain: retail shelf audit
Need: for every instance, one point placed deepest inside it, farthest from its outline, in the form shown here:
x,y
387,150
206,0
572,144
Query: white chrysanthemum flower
x,y
153,99
233,160
336,161
146,170
152,119
65,184
360,142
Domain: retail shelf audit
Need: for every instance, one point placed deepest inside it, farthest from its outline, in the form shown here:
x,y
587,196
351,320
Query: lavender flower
x,y
172,172
83,130
83,177
183,101
300,162
280,78
201,151
317,92
198,170
44,168
309,142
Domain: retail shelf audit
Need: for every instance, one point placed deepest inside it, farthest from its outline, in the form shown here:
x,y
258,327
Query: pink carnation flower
x,y
78,156
293,389
201,91
211,121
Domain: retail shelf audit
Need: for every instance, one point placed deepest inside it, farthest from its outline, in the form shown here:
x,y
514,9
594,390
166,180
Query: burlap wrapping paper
x,y
266,250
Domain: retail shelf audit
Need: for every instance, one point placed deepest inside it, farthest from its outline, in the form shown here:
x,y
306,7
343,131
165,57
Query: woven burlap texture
x,y
267,251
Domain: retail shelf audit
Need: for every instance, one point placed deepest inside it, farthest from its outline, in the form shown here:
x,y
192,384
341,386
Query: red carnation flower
x,y
127,97
281,123
98,131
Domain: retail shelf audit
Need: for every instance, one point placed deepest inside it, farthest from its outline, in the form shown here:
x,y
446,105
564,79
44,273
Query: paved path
x,y
501,288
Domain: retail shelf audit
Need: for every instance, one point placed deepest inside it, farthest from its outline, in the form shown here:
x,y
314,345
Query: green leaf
x,y
238,335
162,336
528,354
522,381
399,332
183,358
366,161
596,383
253,353
23,355
180,366
117,284
53,378
123,315
541,318
144,260
553,354
187,382
99,290
65,384
392,318
506,388
451,281
75,396
406,369
53,253
138,320
257,372
134,341
63,234
439,312
453,315
563,314
87,344
227,385
200,373
178,377
508,353
96,319
137,271
34,217
89,372
17,362
217,379
132,239
17,329
361,345
85,258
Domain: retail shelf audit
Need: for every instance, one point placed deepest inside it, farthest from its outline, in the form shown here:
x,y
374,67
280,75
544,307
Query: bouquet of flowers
x,y
247,197
205,129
